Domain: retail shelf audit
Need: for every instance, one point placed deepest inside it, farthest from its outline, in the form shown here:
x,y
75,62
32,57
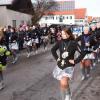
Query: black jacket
x,y
91,39
72,47
98,35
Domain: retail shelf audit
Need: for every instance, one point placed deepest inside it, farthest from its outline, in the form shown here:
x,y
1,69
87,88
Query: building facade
x,y
58,18
61,13
12,17
64,12
72,17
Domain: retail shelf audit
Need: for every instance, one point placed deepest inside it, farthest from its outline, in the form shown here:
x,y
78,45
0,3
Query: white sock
x,y
65,94
68,97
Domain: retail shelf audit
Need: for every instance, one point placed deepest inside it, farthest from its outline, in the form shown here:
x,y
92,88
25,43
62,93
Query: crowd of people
x,y
31,38
87,47
25,38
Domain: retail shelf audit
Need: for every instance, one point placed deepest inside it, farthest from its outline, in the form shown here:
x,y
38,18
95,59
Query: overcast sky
x,y
93,6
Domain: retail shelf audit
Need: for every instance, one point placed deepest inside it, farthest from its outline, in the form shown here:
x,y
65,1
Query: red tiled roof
x,y
60,13
79,13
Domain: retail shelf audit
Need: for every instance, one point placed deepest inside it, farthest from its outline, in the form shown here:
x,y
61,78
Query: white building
x,y
72,17
57,19
64,13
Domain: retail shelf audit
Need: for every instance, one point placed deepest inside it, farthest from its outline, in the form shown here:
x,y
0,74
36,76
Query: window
x,y
60,19
81,20
22,22
46,18
14,23
63,17
53,18
67,17
70,17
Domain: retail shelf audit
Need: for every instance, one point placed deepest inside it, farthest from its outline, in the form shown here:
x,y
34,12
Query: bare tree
x,y
37,9
40,7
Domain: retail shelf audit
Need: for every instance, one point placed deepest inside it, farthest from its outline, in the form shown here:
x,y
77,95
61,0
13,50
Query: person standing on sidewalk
x,y
66,61
3,55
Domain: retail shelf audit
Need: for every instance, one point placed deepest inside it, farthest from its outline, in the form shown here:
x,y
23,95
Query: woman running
x,y
14,45
87,43
65,61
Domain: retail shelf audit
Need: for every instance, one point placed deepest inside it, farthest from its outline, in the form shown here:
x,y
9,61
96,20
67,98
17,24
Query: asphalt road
x,y
31,79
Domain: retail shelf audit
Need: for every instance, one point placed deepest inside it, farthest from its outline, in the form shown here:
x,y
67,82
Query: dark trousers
x,y
85,71
1,76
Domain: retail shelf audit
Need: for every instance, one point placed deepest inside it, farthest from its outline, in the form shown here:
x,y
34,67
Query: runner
x,y
28,41
13,45
87,44
93,32
65,61
98,39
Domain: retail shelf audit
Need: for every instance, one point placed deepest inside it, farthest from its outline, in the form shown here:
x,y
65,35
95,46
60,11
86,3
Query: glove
x,y
60,63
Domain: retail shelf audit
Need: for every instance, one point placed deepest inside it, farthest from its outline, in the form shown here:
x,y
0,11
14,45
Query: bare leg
x,y
65,90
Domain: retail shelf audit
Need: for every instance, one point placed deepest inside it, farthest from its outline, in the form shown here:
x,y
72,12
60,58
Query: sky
x,y
93,6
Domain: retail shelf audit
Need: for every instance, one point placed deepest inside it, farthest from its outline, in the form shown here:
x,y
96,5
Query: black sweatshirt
x,y
98,35
91,39
72,47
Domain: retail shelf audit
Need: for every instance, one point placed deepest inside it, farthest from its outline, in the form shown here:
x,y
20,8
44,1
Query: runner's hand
x,y
72,61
